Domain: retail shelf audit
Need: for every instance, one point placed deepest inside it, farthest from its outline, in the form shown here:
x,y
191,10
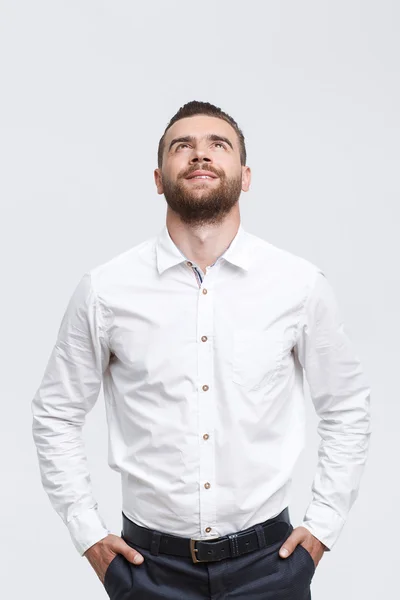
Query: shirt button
x,y
189,263
205,387
208,529
204,291
204,338
207,485
205,436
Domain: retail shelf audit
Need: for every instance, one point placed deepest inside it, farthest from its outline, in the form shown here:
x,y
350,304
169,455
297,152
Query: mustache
x,y
201,168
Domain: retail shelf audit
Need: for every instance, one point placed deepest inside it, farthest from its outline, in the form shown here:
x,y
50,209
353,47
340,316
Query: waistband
x,y
235,544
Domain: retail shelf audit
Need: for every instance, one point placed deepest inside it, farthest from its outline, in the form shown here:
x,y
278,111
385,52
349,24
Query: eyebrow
x,y
212,137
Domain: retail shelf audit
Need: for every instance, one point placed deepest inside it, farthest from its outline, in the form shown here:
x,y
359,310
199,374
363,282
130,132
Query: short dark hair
x,y
202,108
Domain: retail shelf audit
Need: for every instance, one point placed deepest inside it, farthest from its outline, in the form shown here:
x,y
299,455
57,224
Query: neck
x,y
203,244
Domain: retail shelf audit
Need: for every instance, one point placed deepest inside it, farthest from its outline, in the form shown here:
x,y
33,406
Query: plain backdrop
x,y
87,88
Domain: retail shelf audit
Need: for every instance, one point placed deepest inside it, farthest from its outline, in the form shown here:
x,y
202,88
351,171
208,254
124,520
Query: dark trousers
x,y
258,575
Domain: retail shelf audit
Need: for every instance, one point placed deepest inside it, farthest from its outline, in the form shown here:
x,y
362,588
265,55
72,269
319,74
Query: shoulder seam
x,y
305,302
102,328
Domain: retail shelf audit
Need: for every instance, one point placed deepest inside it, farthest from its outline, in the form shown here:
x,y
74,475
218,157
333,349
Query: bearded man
x,y
201,336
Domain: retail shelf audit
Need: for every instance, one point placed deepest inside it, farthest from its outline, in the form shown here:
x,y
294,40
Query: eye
x,y
185,144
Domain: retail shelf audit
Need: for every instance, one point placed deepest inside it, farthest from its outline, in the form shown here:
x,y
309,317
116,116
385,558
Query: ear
x,y
246,178
158,181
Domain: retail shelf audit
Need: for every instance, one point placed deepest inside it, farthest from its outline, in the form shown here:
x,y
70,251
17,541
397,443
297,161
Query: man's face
x,y
201,200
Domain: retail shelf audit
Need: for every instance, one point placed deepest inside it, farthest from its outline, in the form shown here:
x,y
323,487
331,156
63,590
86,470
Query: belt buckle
x,y
193,550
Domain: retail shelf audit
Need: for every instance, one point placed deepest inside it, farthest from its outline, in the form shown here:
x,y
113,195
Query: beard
x,y
204,203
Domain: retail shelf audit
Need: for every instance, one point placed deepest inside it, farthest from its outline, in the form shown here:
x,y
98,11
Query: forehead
x,y
200,125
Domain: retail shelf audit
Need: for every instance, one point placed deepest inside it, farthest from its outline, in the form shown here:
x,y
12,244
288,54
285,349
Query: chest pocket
x,y
256,357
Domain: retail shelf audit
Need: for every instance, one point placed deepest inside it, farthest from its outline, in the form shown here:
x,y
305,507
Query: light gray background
x,y
87,89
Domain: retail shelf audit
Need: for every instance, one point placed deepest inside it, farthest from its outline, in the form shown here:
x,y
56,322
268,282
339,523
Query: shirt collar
x,y
169,255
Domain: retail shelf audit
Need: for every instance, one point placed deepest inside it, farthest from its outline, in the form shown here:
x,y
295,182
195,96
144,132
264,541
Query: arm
x,y
68,391
341,398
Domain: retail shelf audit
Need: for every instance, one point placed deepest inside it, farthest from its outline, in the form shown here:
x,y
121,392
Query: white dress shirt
x,y
203,387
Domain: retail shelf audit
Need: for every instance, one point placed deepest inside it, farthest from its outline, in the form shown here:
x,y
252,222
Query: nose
x,y
199,155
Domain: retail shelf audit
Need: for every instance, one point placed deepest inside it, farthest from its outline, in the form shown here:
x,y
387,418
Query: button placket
x,y
206,408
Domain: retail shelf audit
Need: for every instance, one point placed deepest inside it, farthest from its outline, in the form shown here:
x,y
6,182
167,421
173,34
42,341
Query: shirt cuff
x,y
323,523
86,529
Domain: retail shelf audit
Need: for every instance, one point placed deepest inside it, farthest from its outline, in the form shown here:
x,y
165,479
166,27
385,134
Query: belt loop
x,y
155,543
233,543
284,516
260,535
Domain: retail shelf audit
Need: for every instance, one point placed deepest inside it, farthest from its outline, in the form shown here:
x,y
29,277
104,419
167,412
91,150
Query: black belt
x,y
250,539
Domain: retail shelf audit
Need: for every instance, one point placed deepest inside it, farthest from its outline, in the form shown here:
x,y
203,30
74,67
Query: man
x,y
200,336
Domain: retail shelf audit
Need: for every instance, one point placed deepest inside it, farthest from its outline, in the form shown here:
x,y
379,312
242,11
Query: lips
x,y
202,173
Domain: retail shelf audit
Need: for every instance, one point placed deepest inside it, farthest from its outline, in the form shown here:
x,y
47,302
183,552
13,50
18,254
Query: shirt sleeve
x,y
341,398
68,391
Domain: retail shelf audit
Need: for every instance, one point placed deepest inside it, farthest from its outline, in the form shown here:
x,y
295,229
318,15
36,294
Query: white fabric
x,y
136,323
